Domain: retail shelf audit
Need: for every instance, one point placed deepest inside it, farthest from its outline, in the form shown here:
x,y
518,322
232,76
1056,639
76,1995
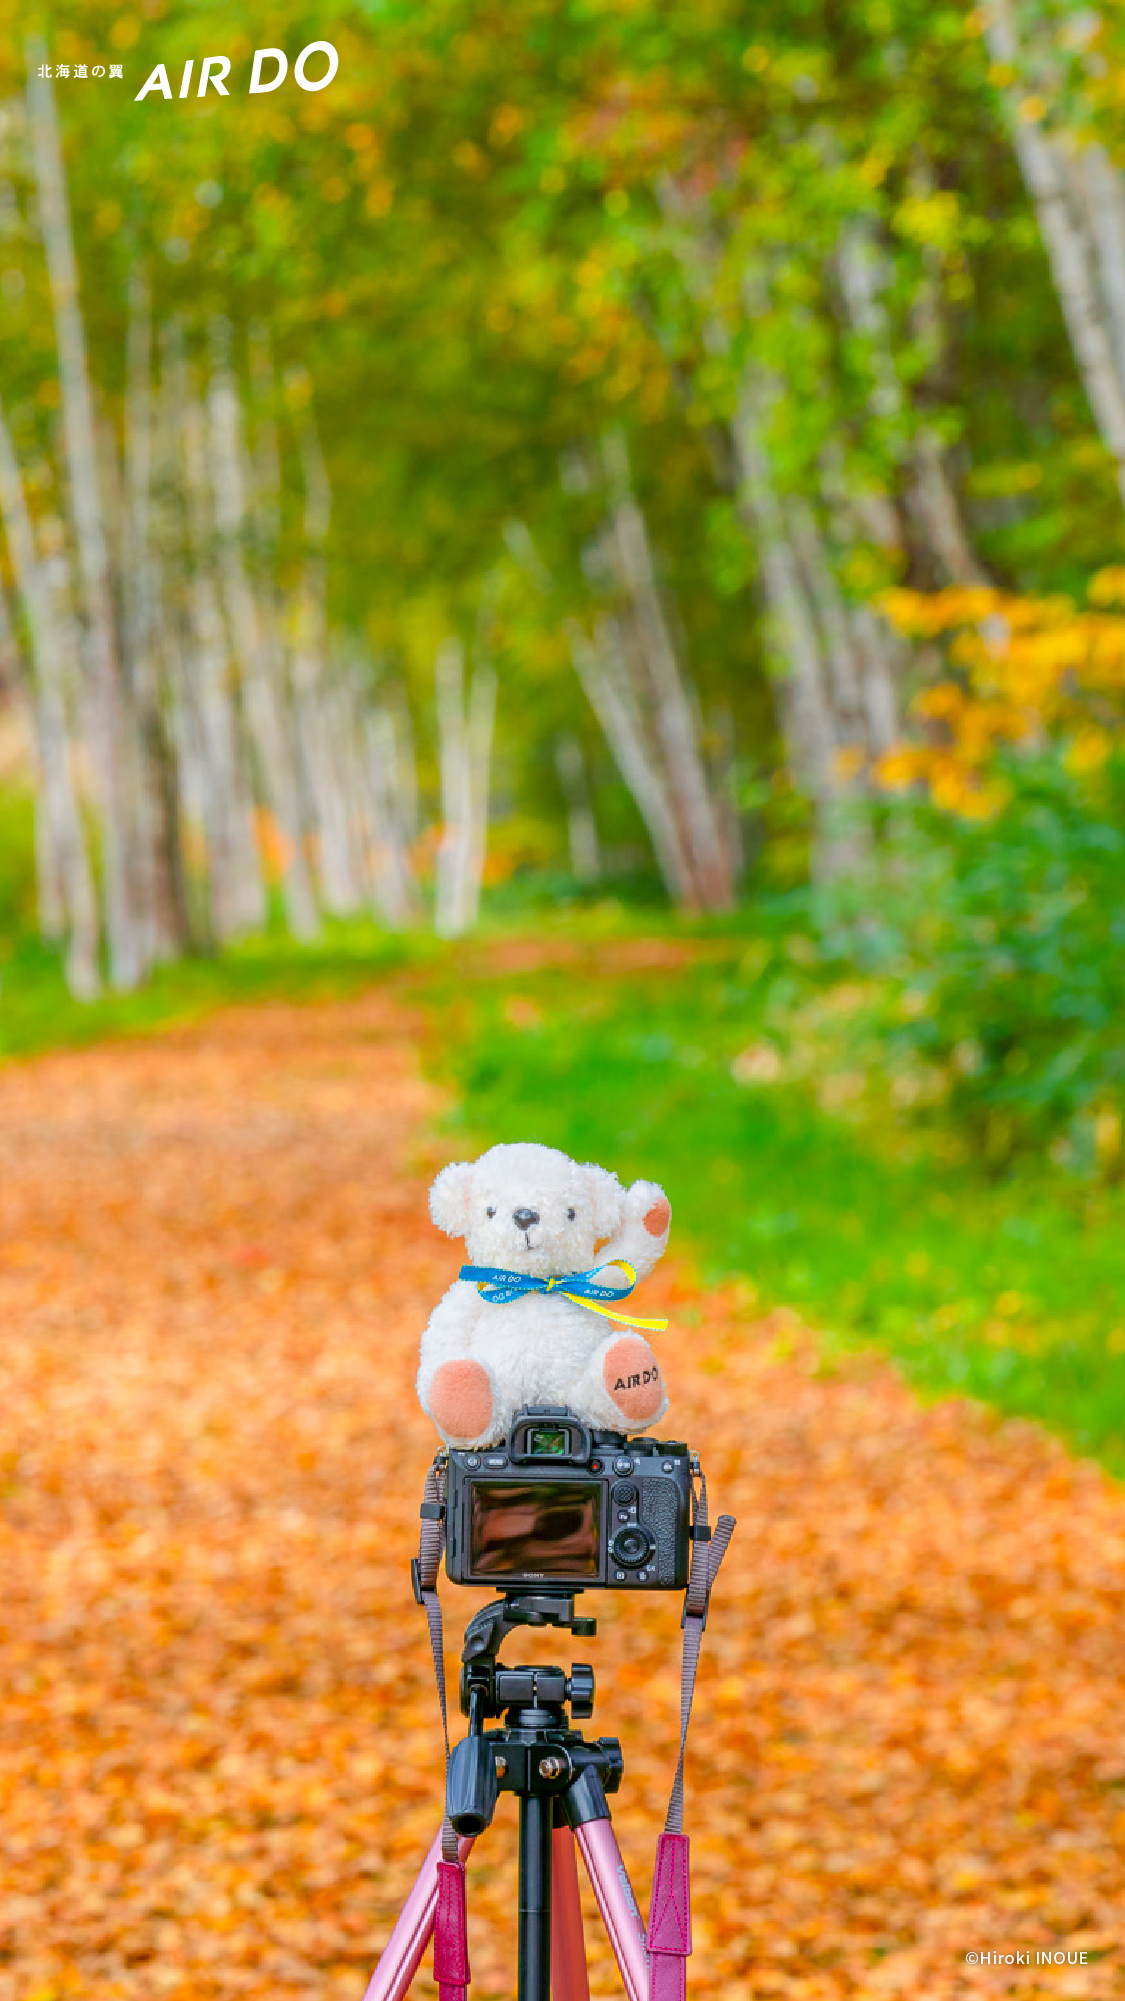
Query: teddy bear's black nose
x,y
524,1218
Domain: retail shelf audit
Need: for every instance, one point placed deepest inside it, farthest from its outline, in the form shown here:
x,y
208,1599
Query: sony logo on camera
x,y
560,1506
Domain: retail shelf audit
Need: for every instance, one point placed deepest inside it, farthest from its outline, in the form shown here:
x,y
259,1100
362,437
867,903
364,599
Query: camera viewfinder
x,y
550,1443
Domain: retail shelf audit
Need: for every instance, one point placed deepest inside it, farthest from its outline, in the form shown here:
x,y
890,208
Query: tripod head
x,y
488,1688
489,1627
536,1751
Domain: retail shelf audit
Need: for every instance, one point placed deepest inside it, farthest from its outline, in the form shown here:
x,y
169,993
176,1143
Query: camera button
x,y
620,1576
472,1459
496,1459
668,1467
622,1465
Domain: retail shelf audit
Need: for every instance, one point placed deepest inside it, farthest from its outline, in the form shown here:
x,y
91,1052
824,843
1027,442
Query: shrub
x,y
1010,935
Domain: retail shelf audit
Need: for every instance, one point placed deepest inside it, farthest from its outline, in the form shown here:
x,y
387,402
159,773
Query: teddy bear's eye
x,y
570,1215
491,1212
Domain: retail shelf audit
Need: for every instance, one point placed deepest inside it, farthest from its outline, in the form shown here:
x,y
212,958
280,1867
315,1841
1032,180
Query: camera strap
x,y
451,1939
669,1924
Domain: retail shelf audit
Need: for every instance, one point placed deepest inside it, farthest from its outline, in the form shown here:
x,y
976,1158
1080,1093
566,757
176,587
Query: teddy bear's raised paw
x,y
632,1377
460,1399
657,1219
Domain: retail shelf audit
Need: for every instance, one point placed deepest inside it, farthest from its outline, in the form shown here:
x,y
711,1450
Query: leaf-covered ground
x,y
219,1748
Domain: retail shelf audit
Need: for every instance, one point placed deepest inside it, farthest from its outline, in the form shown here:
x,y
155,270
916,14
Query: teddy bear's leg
x,y
460,1400
631,1376
621,1385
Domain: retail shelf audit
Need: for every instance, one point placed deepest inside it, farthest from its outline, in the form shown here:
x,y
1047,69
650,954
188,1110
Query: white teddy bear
x,y
530,1209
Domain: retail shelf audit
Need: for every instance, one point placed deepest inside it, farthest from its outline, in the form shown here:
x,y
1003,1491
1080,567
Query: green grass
x,y
1012,1291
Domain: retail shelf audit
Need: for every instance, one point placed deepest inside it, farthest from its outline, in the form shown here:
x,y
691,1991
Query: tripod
x,y
560,1781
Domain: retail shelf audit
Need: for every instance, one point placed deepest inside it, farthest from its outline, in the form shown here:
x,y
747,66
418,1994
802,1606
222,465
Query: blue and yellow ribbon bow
x,y
500,1287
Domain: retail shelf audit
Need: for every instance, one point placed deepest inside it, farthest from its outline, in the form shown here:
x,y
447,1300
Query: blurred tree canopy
x,y
493,238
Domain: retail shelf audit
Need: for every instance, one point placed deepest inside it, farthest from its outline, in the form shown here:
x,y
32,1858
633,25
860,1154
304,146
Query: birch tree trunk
x,y
465,748
602,671
107,707
392,876
834,671
674,721
1078,199
478,767
66,882
340,890
582,831
159,874
807,723
237,891
449,678
930,496
265,708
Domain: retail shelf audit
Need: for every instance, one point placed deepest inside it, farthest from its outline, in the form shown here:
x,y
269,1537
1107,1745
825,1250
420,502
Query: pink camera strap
x,y
669,1926
451,1936
669,1921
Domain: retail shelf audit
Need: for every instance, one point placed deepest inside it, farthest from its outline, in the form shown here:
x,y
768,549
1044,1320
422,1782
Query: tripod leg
x,y
617,1904
413,1930
534,1938
569,1980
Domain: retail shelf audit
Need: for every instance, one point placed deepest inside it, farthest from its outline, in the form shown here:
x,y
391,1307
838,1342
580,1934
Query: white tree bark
x,y
673,717
830,675
340,889
66,883
930,495
582,830
392,876
601,669
106,705
464,755
157,871
237,890
1078,209
478,763
449,678
264,698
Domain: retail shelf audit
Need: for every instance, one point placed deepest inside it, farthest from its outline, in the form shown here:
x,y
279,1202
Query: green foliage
x,y
1005,939
17,863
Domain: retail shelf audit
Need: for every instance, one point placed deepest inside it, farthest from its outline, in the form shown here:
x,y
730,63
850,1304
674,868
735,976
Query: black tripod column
x,y
534,1935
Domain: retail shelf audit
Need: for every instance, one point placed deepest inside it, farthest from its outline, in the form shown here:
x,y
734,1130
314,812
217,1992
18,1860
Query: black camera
x,y
566,1507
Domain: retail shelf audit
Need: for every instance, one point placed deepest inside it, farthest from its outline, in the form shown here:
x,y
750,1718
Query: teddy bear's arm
x,y
643,1236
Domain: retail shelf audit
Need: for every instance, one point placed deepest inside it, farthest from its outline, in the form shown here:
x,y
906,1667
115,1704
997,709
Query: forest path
x,y
220,1758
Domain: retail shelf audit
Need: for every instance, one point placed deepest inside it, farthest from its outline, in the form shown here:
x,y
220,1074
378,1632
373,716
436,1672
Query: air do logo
x,y
268,72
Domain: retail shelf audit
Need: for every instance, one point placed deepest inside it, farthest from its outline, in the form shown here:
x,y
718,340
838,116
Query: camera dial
x,y
632,1547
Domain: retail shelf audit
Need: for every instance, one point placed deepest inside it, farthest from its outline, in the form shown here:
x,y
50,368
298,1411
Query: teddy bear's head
x,y
528,1208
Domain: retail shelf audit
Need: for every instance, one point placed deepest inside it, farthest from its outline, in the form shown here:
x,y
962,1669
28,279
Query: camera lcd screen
x,y
538,1528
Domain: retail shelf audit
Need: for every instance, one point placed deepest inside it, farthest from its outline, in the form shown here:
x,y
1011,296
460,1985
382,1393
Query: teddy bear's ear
x,y
449,1198
608,1198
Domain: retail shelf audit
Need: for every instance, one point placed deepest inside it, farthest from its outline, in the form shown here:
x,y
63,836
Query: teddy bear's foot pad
x,y
460,1399
632,1377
